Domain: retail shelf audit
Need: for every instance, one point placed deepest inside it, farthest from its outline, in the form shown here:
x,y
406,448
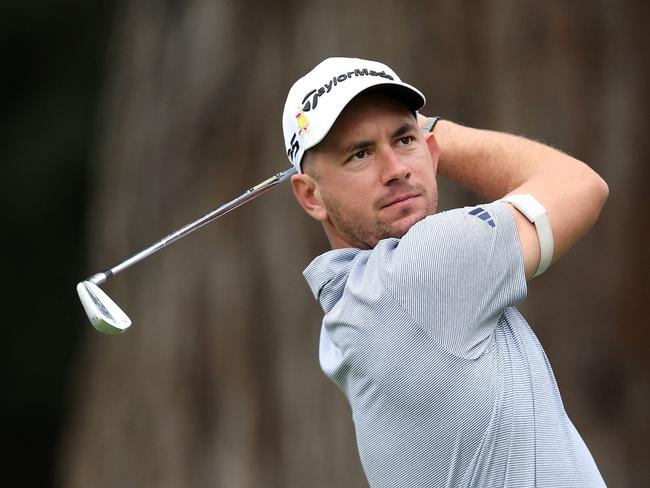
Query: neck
x,y
334,238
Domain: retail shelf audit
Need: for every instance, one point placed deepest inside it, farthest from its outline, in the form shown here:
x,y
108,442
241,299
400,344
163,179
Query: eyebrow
x,y
359,145
404,129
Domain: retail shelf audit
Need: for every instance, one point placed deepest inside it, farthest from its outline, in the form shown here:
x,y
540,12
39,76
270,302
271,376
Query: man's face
x,y
374,173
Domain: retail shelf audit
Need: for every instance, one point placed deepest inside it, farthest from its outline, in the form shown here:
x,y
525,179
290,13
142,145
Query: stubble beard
x,y
364,233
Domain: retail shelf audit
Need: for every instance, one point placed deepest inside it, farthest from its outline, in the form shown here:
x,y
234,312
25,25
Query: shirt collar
x,y
327,272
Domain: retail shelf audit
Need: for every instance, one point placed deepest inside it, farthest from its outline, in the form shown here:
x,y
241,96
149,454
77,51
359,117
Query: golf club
x,y
103,313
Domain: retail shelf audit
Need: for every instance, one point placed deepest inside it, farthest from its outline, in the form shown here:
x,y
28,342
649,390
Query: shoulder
x,y
452,231
463,253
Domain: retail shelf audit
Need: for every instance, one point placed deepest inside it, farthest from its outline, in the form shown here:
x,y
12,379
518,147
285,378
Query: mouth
x,y
407,197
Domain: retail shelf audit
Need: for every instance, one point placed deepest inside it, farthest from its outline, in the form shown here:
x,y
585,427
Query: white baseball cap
x,y
317,99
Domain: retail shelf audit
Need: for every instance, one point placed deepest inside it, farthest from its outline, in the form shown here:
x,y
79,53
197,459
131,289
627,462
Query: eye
x,y
359,155
405,141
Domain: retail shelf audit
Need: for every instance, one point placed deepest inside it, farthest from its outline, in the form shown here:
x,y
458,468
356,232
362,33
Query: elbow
x,y
604,189
601,191
597,192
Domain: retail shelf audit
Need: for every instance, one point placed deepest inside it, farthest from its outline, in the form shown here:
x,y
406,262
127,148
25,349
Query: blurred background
x,y
124,120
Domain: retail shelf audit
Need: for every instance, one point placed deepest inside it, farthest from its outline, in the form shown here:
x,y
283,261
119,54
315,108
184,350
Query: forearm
x,y
494,164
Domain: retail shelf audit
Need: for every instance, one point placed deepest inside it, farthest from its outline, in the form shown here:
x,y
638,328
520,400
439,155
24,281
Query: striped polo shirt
x,y
448,384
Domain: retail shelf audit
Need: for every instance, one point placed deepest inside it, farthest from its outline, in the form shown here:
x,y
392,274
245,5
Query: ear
x,y
432,143
306,190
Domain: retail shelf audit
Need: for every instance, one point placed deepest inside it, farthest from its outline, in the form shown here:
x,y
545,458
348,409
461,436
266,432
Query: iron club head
x,y
103,313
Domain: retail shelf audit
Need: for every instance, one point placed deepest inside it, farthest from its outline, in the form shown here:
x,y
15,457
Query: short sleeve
x,y
456,272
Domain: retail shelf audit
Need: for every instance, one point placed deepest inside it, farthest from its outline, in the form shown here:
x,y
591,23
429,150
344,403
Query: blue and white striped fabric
x,y
447,383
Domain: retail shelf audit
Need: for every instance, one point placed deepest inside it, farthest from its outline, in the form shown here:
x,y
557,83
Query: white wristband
x,y
537,214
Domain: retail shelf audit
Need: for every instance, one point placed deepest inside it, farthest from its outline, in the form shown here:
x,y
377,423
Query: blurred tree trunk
x,y
217,383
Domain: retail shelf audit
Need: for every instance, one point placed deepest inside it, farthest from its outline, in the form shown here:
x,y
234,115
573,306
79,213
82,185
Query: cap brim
x,y
405,94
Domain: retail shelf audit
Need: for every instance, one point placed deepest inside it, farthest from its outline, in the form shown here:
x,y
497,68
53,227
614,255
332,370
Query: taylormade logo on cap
x,y
313,102
317,99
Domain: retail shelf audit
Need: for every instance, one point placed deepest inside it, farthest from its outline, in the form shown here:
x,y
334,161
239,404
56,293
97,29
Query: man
x,y
447,383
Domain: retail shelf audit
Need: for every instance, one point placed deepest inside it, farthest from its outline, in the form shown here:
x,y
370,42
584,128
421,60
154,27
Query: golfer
x,y
447,382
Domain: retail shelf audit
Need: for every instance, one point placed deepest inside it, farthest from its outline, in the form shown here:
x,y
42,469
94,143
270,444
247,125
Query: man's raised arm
x,y
495,164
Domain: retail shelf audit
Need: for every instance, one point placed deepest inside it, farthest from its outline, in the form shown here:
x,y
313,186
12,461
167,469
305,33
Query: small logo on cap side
x,y
303,123
293,149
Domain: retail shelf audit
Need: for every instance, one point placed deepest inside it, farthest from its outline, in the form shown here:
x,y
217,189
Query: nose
x,y
393,168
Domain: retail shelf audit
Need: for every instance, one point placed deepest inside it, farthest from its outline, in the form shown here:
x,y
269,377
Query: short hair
x,y
309,165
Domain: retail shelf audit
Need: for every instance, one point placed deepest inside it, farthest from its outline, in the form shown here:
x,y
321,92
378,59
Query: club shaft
x,y
245,197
